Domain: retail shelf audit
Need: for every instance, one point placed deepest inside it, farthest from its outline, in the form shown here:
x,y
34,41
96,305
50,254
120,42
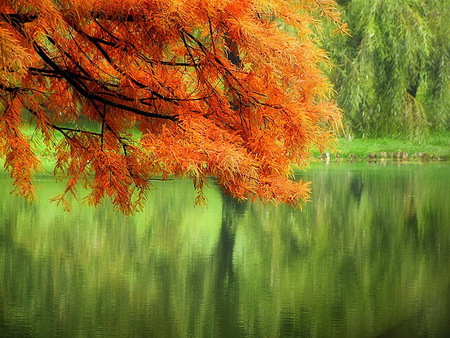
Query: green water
x,y
368,256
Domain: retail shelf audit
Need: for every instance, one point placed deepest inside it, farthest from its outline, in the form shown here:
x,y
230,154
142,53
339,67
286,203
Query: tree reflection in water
x,y
368,256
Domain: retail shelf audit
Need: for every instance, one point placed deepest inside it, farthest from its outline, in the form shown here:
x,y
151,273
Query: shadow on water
x,y
227,300
369,256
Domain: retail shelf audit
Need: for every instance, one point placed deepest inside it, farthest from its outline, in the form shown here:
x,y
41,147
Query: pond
x,y
368,256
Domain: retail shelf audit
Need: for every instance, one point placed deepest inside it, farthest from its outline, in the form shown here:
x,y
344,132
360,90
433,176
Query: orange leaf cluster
x,y
125,91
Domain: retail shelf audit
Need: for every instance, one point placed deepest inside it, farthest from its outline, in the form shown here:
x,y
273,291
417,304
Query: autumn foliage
x,y
125,91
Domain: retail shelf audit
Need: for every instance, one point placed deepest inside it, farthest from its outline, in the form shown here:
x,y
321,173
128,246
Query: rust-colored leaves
x,y
125,91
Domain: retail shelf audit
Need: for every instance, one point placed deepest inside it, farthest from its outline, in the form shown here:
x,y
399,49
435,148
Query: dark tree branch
x,y
167,63
66,129
87,94
15,19
11,90
53,73
15,90
137,83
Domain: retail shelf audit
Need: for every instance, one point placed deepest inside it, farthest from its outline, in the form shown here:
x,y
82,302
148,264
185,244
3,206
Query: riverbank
x,y
435,148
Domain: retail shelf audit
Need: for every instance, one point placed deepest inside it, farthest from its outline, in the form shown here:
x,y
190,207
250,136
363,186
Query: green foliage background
x,y
392,74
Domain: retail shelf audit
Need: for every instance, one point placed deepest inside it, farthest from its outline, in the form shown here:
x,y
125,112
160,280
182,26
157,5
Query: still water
x,y
369,256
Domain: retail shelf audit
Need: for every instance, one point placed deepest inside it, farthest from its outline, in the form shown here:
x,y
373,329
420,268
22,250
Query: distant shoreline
x,y
383,157
436,148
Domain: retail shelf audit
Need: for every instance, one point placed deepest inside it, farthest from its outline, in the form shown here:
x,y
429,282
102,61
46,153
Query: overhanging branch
x,y
91,96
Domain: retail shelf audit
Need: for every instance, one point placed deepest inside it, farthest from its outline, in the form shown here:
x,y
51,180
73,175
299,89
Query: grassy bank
x,y
435,148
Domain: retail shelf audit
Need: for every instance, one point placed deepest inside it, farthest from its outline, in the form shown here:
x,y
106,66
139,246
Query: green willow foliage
x,y
392,74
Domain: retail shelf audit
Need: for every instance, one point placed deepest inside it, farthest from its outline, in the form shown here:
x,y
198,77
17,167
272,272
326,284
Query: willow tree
x,y
392,73
125,91
436,80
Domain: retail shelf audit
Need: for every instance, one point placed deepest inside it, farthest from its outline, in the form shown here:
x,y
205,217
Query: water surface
x,y
369,256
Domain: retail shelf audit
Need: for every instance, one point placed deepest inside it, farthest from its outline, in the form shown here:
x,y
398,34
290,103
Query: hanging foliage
x,y
123,92
392,74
